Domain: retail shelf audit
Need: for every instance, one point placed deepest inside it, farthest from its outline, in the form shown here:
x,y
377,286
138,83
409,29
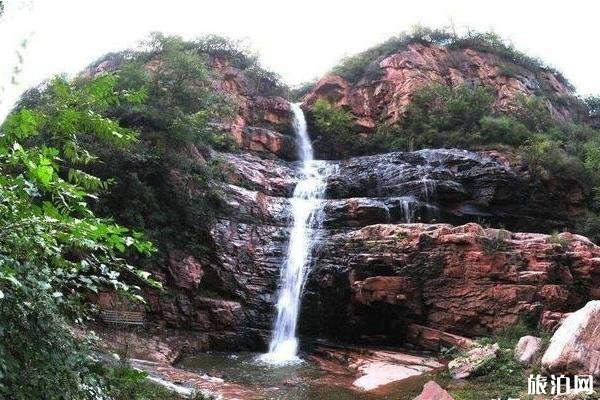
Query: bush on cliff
x,y
440,116
334,125
462,117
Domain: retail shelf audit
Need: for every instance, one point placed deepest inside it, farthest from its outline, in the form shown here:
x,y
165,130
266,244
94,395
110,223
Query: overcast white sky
x,y
300,40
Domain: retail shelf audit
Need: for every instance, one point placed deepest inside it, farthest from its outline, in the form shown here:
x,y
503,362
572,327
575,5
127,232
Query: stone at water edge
x,y
380,373
465,366
378,368
433,391
528,349
575,346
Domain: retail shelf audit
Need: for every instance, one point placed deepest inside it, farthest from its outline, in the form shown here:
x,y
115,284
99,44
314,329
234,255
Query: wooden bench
x,y
123,317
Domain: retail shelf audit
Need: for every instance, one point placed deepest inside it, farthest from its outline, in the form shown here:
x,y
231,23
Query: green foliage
x,y
589,225
335,127
503,129
533,113
440,116
493,244
126,383
554,238
546,157
167,183
180,97
593,105
54,248
40,359
592,157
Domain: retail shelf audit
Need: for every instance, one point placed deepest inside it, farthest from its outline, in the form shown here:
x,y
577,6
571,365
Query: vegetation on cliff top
x,y
365,64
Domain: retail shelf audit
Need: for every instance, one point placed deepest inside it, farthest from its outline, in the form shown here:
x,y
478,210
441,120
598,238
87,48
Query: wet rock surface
x,y
368,368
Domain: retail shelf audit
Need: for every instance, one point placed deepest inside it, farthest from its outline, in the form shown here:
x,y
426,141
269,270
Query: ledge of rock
x,y
466,280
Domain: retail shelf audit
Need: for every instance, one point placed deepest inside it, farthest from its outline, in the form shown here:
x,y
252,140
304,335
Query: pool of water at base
x,y
303,381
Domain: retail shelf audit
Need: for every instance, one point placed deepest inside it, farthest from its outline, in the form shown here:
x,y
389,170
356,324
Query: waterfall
x,y
305,208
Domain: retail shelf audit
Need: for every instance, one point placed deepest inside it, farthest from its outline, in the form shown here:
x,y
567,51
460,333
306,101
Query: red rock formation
x,y
386,97
186,271
466,279
254,111
258,118
433,391
434,339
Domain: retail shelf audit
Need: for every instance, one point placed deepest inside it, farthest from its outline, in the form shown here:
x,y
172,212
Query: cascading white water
x,y
305,207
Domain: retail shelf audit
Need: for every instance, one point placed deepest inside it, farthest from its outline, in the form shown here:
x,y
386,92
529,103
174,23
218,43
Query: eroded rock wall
x,y
373,273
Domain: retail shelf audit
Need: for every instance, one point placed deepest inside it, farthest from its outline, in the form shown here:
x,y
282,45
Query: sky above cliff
x,y
300,40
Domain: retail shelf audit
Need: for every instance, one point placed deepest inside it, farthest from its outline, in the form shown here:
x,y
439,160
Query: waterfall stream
x,y
305,208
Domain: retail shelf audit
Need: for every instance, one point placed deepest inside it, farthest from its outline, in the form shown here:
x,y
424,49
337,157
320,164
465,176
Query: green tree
x,y
337,138
54,248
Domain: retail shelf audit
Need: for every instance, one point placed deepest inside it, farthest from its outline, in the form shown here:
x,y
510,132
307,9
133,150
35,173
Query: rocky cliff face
x,y
388,256
465,279
262,123
385,97
374,273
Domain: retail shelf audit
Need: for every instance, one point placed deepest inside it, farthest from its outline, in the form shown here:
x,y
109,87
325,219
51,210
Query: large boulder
x,y
528,349
575,346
